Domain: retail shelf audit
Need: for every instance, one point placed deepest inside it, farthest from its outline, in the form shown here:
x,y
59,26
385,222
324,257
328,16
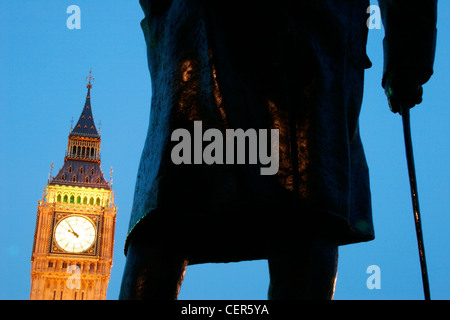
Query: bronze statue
x,y
296,67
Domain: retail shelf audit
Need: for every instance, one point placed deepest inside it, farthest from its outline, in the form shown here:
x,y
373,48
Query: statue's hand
x,y
402,91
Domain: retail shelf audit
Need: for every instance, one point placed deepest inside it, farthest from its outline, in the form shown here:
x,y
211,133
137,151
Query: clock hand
x,y
74,233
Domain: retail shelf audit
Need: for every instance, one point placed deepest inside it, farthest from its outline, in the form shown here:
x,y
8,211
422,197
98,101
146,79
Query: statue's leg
x,y
307,271
152,272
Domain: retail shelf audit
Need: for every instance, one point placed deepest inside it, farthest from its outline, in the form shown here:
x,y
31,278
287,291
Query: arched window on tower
x,y
65,199
97,201
58,198
86,179
72,199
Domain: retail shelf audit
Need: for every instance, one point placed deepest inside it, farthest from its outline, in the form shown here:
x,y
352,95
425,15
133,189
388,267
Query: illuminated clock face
x,y
75,234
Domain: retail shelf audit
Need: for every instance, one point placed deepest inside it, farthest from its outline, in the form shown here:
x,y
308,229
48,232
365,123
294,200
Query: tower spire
x,y
85,126
89,85
82,161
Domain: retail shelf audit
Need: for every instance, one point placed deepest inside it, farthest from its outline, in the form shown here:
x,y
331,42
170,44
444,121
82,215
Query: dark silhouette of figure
x,y
295,66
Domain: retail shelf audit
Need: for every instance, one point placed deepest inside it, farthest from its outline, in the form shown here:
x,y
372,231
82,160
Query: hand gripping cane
x,y
415,198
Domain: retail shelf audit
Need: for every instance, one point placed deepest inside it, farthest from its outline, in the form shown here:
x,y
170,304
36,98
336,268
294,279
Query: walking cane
x,y
415,199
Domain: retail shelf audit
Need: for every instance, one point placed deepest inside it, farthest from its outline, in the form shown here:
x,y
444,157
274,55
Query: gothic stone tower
x,y
74,236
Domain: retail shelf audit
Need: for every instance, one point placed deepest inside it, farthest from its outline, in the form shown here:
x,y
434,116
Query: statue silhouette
x,y
294,66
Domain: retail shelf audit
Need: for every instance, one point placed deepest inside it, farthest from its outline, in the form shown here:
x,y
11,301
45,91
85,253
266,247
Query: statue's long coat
x,y
231,64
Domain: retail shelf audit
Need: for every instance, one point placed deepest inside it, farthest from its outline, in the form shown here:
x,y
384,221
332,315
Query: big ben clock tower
x,y
74,236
